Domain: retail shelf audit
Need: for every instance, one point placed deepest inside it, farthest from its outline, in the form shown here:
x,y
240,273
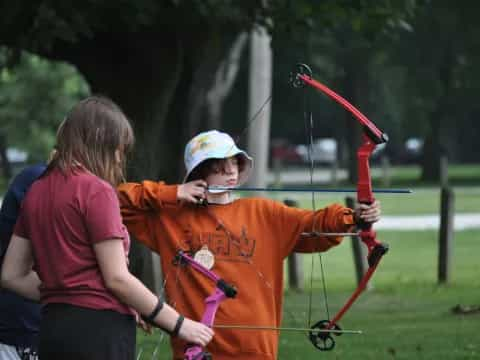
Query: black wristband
x,y
149,319
178,325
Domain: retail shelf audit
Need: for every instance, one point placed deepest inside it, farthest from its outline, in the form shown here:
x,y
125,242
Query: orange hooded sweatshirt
x,y
249,239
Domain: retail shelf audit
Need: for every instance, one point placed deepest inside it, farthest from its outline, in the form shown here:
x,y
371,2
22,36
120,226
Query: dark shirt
x,y
19,317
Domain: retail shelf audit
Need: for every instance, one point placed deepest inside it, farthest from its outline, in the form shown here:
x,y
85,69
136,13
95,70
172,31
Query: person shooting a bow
x,y
242,240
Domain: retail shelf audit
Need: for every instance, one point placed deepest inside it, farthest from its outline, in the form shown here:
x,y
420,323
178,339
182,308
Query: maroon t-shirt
x,y
64,216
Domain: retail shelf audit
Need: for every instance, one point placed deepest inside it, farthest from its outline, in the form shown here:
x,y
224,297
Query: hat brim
x,y
242,176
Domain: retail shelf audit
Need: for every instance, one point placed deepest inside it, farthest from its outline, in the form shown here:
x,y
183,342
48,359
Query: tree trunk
x,y
149,77
214,69
356,92
223,82
260,89
436,142
6,167
160,80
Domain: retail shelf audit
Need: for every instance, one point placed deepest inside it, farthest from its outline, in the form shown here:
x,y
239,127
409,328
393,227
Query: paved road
x,y
425,222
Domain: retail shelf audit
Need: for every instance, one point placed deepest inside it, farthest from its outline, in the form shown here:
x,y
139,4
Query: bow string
x,y
372,136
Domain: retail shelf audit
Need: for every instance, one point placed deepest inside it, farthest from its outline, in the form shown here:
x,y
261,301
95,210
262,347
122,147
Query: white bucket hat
x,y
214,144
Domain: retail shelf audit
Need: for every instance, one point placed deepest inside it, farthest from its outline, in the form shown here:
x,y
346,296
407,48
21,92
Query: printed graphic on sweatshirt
x,y
225,247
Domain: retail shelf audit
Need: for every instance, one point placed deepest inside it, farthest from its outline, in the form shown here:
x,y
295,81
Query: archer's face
x,y
224,173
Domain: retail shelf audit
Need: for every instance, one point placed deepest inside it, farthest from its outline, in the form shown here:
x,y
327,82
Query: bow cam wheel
x,y
294,78
323,341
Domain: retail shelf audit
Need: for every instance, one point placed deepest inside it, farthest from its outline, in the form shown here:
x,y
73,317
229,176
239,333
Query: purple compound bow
x,y
223,291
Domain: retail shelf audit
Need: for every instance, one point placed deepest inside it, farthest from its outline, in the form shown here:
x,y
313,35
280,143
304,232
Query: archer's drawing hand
x,y
368,213
195,332
192,192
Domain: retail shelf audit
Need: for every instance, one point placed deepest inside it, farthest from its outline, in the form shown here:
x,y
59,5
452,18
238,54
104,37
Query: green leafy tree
x,y
35,94
157,58
441,80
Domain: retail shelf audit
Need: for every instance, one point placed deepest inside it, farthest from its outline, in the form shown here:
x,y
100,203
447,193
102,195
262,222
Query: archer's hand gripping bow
x,y
223,291
372,136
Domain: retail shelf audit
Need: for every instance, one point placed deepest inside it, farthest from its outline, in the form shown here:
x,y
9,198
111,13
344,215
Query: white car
x,y
324,151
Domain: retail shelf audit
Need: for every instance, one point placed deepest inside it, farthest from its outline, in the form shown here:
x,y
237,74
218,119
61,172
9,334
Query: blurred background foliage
x,y
35,95
409,65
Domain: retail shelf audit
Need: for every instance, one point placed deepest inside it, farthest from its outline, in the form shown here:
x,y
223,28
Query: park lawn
x,y
421,201
425,199
458,174
405,316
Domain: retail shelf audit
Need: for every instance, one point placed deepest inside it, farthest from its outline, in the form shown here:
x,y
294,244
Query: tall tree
x,y
441,77
155,58
34,96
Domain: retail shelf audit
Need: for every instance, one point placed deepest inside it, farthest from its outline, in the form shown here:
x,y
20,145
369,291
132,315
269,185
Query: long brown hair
x,y
90,135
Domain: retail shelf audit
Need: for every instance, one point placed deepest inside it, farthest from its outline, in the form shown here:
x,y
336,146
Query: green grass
x,y
425,199
410,175
406,315
412,259
458,175
422,201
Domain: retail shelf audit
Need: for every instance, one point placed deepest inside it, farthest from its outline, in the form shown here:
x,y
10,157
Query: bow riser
x,y
365,196
211,306
364,183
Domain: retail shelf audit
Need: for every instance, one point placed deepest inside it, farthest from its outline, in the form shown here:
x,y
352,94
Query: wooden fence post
x,y
277,171
443,171
295,262
359,253
447,201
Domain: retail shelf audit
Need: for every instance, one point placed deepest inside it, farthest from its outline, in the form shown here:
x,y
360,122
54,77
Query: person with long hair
x,y
69,249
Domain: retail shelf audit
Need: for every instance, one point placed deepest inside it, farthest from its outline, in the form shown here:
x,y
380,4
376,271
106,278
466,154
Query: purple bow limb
x,y
223,291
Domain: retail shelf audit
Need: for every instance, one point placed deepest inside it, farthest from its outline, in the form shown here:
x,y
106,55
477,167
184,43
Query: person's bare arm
x,y
17,273
118,279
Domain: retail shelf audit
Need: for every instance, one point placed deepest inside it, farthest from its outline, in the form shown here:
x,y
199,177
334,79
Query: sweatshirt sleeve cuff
x,y
167,194
348,219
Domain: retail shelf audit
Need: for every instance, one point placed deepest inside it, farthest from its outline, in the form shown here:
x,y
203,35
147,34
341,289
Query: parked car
x,y
412,151
324,151
287,153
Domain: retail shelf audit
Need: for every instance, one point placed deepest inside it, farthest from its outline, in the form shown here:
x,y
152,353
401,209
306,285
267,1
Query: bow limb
x,y
372,136
223,291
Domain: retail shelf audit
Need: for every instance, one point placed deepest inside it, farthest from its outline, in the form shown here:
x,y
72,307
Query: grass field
x,y
421,201
405,316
